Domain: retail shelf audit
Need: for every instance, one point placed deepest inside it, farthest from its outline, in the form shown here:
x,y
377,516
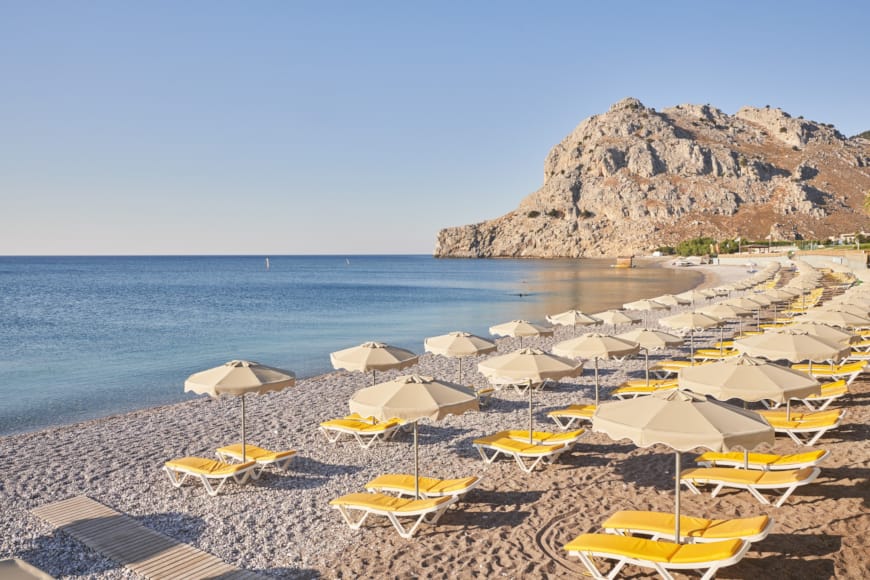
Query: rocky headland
x,y
633,178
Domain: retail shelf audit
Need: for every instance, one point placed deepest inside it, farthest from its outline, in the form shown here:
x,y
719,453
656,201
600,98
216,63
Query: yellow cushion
x,y
727,474
632,547
706,552
784,477
652,383
763,458
256,453
377,501
209,467
736,528
689,526
574,411
543,437
514,446
427,484
361,426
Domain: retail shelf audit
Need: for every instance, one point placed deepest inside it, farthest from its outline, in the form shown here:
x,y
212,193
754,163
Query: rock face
x,y
633,179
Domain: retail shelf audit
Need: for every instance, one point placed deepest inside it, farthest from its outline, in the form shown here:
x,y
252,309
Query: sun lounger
x,y
568,438
659,555
752,481
762,461
565,418
364,432
848,371
830,392
708,354
635,391
207,470
669,368
520,386
391,507
263,457
660,526
403,484
807,431
490,448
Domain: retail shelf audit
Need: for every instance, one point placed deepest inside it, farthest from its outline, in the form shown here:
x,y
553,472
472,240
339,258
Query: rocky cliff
x,y
632,179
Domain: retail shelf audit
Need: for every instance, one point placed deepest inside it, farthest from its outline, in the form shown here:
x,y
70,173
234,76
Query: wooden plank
x,y
126,541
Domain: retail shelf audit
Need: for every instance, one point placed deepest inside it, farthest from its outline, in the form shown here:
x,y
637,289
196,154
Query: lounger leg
x,y
661,570
785,495
407,534
524,467
487,459
587,561
212,491
332,437
710,573
175,478
816,437
242,479
757,495
345,513
690,486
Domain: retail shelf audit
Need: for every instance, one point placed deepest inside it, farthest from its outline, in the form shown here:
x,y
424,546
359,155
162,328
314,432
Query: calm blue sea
x,y
84,337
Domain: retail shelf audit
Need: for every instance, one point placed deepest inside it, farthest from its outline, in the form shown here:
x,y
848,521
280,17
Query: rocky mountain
x,y
632,179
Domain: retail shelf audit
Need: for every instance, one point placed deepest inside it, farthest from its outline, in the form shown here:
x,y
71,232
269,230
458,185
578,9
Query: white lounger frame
x,y
555,452
282,463
660,567
808,435
739,464
365,439
429,515
403,491
751,488
669,536
570,417
177,476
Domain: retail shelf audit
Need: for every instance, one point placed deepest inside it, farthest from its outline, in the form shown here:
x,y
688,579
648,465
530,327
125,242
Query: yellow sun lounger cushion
x,y
762,461
660,525
403,484
565,418
364,432
206,470
752,481
490,448
263,457
633,392
544,437
808,428
656,554
428,510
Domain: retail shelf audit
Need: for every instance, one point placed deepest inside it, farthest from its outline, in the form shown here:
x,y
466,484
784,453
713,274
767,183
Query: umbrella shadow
x,y
830,487
650,469
305,473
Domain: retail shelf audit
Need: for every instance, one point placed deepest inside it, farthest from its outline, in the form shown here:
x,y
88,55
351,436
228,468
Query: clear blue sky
x,y
280,127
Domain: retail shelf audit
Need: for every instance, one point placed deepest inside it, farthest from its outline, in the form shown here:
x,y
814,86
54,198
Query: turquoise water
x,y
84,337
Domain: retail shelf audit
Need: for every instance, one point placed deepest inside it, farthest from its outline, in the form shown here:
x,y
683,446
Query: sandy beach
x,y
512,526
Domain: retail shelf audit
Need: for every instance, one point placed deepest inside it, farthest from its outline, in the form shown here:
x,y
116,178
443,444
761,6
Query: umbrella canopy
x,y
791,345
827,333
573,318
836,318
697,295
457,345
651,340
748,379
530,365
672,300
725,311
690,321
615,317
595,346
372,356
520,329
412,398
239,378
646,305
682,421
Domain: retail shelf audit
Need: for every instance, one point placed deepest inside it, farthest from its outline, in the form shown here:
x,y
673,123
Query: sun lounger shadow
x,y
755,567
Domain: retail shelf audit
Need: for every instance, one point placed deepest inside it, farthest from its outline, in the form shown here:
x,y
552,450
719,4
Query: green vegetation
x,y
864,135
555,213
533,214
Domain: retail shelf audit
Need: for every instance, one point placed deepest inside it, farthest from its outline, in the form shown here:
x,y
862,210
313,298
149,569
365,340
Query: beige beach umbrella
x,y
836,318
854,309
651,340
372,356
690,321
750,304
596,346
614,317
828,333
749,379
411,398
672,300
520,329
239,378
695,296
573,318
530,365
458,345
793,346
646,305
725,311
683,421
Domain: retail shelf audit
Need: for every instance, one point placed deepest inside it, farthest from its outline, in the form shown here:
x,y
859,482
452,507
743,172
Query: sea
x,y
87,337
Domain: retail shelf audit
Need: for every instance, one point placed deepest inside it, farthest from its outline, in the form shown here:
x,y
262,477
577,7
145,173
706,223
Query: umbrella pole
x,y
596,381
646,358
460,371
692,344
745,459
677,503
530,413
244,457
416,464
373,376
721,339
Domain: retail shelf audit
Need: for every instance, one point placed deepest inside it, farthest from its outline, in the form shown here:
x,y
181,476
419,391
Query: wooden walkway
x,y
126,541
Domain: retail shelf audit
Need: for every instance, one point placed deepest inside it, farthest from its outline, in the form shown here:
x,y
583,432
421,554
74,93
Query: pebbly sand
x,y
512,526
